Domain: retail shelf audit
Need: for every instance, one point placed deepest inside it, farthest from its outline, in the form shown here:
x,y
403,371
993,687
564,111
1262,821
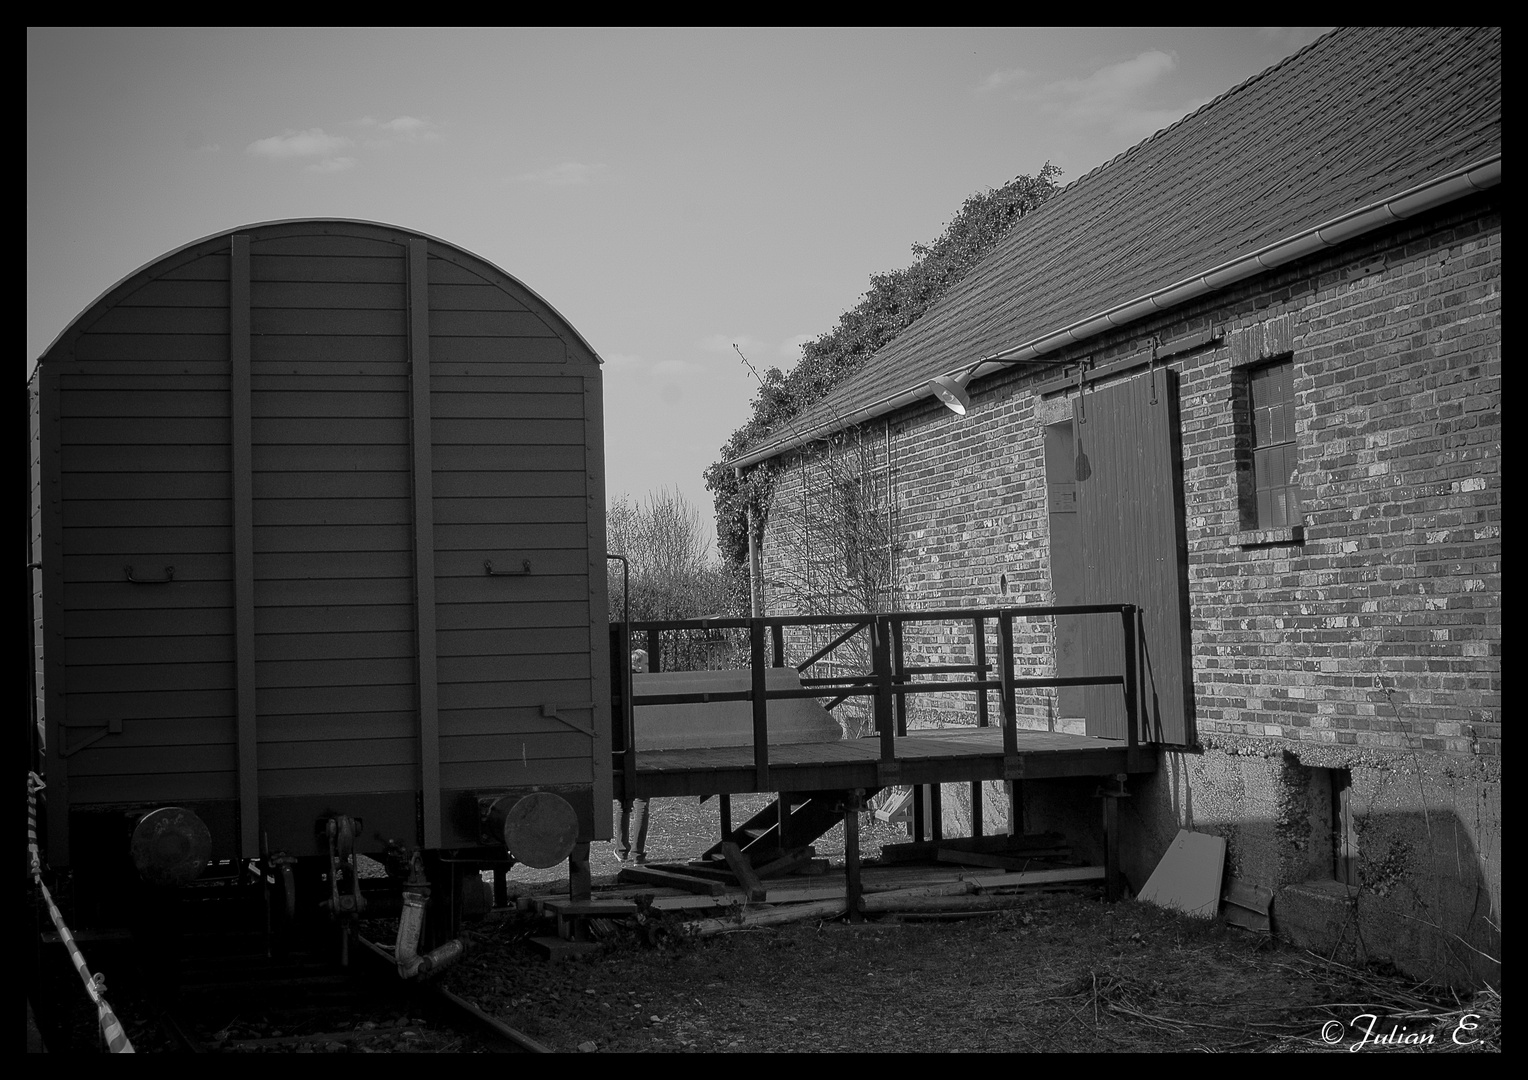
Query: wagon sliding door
x,y
1129,520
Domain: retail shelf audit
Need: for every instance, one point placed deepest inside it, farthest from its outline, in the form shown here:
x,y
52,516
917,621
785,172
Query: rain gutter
x,y
1449,187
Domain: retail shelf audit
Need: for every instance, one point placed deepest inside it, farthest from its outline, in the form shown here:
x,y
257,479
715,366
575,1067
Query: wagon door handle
x,y
169,576
491,572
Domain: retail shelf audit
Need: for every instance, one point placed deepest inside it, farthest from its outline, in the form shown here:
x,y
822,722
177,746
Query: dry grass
x,y
1064,973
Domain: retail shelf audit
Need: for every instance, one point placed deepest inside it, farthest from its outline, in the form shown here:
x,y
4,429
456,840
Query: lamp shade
x,y
951,389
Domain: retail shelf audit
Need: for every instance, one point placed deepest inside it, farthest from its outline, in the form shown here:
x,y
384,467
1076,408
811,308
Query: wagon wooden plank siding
x,y
357,475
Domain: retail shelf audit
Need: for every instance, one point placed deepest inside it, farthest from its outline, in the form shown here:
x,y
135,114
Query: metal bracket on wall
x,y
113,727
552,710
525,568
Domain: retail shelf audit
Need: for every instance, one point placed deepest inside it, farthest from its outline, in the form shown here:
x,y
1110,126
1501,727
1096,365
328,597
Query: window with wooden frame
x,y
1273,500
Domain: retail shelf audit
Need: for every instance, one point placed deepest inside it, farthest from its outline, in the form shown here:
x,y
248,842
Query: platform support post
x,y
725,809
1111,795
580,883
1015,808
853,803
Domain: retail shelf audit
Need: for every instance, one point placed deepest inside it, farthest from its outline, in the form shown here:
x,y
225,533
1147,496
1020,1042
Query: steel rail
x,y
497,1034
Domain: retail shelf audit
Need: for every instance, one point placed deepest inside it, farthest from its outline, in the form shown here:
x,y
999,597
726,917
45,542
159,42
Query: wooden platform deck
x,y
927,756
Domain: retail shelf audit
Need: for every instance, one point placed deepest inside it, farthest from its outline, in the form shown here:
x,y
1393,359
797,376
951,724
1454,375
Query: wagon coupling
x,y
344,907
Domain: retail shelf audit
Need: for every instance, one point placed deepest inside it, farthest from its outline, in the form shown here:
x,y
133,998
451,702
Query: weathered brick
x,y
1398,397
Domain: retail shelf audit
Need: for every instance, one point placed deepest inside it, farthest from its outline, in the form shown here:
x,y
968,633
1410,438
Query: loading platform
x,y
938,756
974,662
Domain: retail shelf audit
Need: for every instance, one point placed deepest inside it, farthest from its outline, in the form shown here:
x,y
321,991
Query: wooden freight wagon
x,y
319,513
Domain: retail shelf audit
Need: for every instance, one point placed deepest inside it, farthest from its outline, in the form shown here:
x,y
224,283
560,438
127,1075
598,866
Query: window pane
x,y
1275,454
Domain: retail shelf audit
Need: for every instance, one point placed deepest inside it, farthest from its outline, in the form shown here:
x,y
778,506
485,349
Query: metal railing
x,y
889,682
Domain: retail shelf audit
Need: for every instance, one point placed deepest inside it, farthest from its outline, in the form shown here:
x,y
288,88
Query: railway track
x,y
497,1036
229,997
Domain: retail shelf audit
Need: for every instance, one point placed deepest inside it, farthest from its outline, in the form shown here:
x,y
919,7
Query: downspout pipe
x,y
1450,187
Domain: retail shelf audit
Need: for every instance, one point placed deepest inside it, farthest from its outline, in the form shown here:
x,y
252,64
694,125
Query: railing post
x,y
899,669
982,719
1132,697
1009,705
627,720
880,651
654,662
777,630
760,706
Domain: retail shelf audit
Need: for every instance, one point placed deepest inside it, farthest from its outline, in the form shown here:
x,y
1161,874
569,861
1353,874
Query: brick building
x,y
1246,376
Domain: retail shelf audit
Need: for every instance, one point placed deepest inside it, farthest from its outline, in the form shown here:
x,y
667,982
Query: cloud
x,y
751,347
1291,37
1001,79
333,165
1111,89
567,174
673,369
327,149
635,366
315,142
400,129
1114,97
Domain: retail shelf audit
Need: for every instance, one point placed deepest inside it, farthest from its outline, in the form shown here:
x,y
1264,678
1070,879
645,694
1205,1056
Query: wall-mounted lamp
x,y
951,389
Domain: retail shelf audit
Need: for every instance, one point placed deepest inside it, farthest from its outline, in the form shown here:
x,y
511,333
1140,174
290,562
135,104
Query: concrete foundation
x,y
1421,885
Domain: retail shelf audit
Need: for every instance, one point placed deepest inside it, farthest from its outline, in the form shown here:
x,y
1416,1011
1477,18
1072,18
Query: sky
x,y
672,192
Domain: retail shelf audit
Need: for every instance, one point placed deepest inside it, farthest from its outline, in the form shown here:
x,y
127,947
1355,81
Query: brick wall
x,y
1395,573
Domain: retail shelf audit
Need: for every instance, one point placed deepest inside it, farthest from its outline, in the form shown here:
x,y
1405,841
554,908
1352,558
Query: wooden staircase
x,y
812,813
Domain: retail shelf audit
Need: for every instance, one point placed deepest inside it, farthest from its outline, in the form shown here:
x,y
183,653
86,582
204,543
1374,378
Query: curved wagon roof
x,y
338,230
317,509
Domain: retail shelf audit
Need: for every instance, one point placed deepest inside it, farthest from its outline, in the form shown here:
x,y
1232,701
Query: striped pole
x,y
111,1028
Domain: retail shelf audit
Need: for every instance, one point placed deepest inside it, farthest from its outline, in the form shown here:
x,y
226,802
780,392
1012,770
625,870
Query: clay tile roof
x,y
1355,117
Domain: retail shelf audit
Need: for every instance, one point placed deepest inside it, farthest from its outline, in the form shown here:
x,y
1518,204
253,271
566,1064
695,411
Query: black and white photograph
x,y
757,540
